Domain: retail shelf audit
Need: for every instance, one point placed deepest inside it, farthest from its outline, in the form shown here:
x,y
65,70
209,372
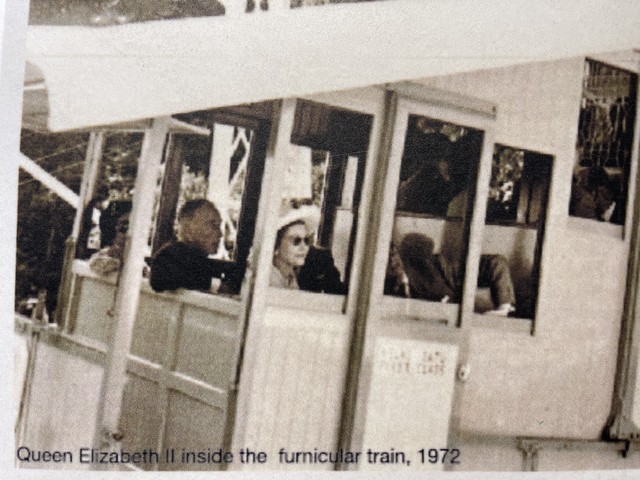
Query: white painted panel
x,y
201,433
410,399
535,386
63,405
207,346
94,318
141,418
298,385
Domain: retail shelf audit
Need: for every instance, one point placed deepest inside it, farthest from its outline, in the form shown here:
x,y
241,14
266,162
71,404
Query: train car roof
x,y
79,76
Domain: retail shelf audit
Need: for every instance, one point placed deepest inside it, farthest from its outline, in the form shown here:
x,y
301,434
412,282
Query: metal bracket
x,y
530,449
623,428
464,370
110,440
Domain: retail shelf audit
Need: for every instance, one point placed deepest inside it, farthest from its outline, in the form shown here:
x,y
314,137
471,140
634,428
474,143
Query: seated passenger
x,y
592,195
293,239
415,271
319,273
109,217
296,263
85,246
185,263
115,223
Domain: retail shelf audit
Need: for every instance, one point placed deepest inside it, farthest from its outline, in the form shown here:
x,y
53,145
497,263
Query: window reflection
x,y
435,168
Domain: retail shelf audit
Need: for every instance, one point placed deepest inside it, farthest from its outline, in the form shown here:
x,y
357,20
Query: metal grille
x,y
605,129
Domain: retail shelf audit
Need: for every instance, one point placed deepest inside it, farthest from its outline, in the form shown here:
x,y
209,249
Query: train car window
x,y
217,167
320,199
184,173
512,238
600,180
431,228
217,172
112,193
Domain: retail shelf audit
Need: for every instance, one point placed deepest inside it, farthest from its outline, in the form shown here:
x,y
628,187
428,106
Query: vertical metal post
x,y
220,163
106,433
169,193
92,162
476,227
366,276
268,210
621,425
89,177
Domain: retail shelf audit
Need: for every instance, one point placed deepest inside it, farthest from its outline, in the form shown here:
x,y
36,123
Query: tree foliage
x,y
44,219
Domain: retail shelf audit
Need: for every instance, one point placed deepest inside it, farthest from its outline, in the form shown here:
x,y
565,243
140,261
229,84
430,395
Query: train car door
x,y
423,279
297,347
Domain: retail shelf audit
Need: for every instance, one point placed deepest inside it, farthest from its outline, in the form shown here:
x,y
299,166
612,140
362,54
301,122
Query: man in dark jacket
x,y
415,271
319,273
185,263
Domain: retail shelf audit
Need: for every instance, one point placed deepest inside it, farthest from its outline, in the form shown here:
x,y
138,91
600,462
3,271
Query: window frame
x,y
451,108
606,229
366,102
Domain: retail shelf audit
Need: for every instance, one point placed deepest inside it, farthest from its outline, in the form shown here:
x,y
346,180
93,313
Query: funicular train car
x,y
484,159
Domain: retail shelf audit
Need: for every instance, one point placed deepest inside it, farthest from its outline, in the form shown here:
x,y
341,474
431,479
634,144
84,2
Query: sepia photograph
x,y
395,236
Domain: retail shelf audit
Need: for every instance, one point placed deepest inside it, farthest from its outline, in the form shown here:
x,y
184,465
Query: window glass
x,y
431,227
512,238
605,138
319,199
215,167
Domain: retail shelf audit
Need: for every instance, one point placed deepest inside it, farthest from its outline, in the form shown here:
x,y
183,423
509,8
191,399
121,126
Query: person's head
x,y
292,245
199,225
599,184
109,219
294,237
415,249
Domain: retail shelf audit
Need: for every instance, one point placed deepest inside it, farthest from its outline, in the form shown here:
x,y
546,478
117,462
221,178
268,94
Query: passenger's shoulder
x,y
319,253
179,249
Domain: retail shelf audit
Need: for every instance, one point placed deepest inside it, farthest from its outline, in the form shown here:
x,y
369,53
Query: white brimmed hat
x,y
309,214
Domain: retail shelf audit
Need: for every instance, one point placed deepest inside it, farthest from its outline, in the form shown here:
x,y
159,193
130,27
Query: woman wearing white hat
x,y
296,229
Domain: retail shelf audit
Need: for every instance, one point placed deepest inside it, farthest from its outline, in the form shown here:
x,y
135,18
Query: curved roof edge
x,y
99,76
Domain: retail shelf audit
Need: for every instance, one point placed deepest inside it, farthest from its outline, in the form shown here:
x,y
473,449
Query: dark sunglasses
x,y
298,240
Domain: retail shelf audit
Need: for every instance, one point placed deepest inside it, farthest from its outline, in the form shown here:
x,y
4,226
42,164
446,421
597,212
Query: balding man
x,y
185,263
